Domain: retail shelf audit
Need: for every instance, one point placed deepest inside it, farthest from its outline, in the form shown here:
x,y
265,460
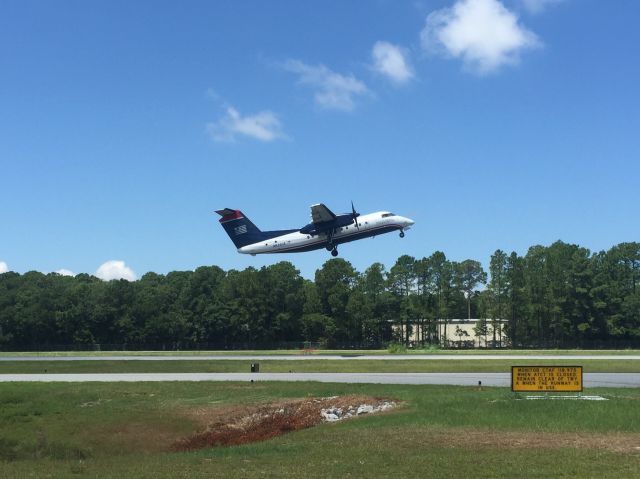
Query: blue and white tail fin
x,y
239,228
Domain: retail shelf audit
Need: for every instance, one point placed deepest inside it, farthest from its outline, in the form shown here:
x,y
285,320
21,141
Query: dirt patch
x,y
205,417
242,425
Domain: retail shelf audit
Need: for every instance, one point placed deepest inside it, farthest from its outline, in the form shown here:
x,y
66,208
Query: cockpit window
x,y
386,215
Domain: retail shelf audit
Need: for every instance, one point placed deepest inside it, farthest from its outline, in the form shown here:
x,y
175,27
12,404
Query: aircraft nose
x,y
408,223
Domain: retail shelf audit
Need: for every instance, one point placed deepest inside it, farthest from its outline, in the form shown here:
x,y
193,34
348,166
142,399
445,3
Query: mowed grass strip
x,y
352,456
307,366
125,430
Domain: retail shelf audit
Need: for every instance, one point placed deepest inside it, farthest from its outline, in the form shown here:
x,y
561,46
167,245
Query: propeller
x,y
354,215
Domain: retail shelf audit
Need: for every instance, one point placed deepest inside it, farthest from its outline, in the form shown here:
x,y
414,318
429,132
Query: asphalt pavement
x,y
333,357
590,380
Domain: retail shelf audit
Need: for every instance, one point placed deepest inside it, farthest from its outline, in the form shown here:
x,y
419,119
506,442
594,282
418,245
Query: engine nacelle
x,y
340,222
309,229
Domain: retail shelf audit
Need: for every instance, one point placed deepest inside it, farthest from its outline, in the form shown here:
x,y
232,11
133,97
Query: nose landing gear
x,y
334,252
401,234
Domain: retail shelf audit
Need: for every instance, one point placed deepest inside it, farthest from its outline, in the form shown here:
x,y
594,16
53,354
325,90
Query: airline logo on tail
x,y
238,230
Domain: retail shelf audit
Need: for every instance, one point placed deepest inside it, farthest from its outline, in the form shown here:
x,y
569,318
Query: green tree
x,y
470,274
374,315
517,301
440,283
334,282
481,329
319,328
402,279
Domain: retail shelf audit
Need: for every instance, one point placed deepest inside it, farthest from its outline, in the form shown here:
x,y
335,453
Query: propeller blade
x,y
354,215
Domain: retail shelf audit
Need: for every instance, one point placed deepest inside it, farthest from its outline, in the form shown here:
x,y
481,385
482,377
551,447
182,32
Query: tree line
x,y
554,296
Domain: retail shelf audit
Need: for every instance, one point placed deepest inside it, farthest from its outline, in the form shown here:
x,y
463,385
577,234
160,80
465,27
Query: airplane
x,y
326,230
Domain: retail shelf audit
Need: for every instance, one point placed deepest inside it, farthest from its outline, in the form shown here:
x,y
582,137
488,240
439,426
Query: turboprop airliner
x,y
326,230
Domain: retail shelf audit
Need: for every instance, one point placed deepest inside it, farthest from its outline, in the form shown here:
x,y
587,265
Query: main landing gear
x,y
330,246
333,249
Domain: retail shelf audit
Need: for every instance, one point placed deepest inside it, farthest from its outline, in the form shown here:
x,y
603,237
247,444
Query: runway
x,y
333,357
590,380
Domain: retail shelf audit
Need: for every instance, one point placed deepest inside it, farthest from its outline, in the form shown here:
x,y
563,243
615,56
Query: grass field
x,y
317,365
126,430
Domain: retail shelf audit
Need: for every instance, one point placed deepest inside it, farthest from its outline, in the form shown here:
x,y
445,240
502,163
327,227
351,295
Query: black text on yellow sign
x,y
546,378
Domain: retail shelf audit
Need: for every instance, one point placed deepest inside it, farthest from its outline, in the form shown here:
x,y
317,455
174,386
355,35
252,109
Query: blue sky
x,y
124,125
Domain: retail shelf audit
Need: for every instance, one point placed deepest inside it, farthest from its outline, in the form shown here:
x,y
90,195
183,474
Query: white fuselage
x,y
368,225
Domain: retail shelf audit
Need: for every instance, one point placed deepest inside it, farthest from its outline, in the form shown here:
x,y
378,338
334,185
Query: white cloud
x,y
334,91
3,267
483,33
65,272
211,94
538,6
115,269
263,126
391,61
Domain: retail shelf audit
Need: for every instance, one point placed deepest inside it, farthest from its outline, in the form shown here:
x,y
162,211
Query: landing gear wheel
x,y
401,234
334,252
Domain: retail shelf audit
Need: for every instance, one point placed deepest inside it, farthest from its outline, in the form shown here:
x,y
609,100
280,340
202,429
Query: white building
x,y
459,333
452,331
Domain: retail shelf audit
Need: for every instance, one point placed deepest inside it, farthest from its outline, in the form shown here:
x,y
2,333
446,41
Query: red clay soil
x,y
264,422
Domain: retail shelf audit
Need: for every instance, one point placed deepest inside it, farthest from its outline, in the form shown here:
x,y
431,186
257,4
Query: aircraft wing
x,y
321,214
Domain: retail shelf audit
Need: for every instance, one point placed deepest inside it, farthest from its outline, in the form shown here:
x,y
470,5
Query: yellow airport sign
x,y
546,378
